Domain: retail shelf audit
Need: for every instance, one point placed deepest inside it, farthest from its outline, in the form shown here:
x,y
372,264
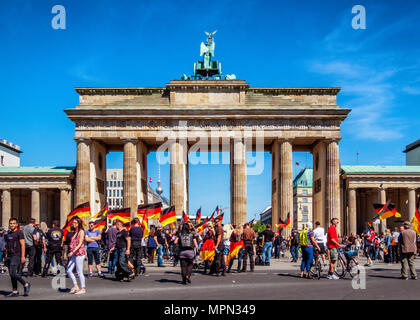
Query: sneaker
x,y
101,275
12,295
27,289
334,277
414,278
90,275
330,277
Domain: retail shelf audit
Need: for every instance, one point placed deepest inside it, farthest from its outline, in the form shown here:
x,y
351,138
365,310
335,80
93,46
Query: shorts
x,y
367,250
226,251
93,253
333,254
322,247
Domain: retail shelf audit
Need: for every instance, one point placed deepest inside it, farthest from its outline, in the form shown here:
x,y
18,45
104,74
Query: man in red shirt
x,y
333,245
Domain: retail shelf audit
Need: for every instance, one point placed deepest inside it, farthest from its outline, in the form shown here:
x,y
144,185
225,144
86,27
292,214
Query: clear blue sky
x,y
267,43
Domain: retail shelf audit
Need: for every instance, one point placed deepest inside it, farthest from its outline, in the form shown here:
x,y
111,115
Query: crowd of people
x,y
124,250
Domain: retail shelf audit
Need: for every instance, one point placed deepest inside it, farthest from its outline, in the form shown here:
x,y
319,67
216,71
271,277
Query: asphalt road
x,y
279,281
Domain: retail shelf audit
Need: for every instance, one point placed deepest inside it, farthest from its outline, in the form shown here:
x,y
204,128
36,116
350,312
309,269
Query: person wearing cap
x,y
407,242
307,247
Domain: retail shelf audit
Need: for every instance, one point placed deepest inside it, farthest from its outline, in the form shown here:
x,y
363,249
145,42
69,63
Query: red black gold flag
x,y
198,216
416,220
100,223
124,215
102,213
153,210
207,251
234,249
82,211
185,217
145,225
385,212
168,216
282,224
251,223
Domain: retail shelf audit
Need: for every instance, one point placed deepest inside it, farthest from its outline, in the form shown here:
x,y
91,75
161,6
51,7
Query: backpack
x,y
186,240
303,238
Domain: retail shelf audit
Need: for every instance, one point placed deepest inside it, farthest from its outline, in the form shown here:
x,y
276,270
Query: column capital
x,y
83,140
411,188
331,140
290,140
128,140
68,189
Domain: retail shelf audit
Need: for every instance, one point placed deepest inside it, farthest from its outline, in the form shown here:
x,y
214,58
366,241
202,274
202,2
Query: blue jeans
x,y
390,255
266,252
160,255
294,250
1,256
307,258
112,261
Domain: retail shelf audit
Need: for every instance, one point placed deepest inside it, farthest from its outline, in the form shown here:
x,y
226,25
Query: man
x,y
15,256
92,239
136,235
168,238
294,245
267,243
30,250
395,247
111,241
319,233
40,248
123,247
219,260
369,237
408,246
54,238
161,243
333,246
248,236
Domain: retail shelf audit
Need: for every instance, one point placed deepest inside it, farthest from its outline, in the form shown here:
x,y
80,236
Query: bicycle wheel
x,y
353,268
314,269
340,267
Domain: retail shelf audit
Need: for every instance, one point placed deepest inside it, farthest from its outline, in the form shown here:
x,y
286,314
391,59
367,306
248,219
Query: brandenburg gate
x,y
132,120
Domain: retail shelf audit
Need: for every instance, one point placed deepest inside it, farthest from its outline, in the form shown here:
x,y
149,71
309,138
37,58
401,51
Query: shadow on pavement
x,y
169,281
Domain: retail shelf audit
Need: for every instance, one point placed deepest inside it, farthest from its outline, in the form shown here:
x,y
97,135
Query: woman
x,y
207,249
307,251
187,244
236,248
77,256
151,246
388,245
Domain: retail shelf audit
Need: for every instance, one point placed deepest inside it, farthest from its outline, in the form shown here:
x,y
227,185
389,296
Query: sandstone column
x,y
6,207
237,181
411,203
141,166
275,188
130,175
352,211
382,200
83,171
179,176
286,183
332,182
64,206
35,205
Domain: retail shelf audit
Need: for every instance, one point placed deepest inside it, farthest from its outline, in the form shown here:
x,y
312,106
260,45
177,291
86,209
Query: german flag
x,y
200,229
416,220
67,227
172,225
222,214
385,212
124,215
251,223
100,223
153,210
207,251
234,249
145,225
102,213
185,217
198,217
168,216
82,211
282,224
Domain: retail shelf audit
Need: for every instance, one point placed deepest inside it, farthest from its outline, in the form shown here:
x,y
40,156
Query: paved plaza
x,y
280,280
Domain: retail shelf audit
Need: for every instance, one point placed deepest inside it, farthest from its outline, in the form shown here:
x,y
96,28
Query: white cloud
x,y
411,90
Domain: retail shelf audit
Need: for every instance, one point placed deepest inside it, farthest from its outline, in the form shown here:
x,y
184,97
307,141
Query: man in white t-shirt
x,y
320,239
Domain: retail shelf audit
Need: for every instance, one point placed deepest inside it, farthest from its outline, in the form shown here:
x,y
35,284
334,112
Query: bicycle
x,y
316,267
346,263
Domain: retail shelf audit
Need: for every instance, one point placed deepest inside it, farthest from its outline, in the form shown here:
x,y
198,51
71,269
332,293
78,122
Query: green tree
x,y
258,227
